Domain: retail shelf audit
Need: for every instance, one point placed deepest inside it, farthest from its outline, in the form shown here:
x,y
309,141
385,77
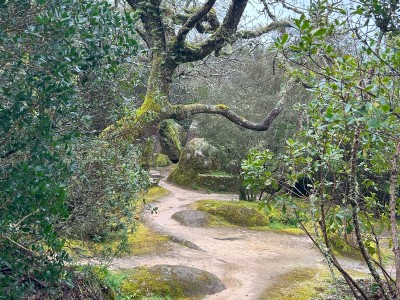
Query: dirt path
x,y
247,261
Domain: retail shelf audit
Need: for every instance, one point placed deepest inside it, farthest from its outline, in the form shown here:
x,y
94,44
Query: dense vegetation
x,y
73,129
55,60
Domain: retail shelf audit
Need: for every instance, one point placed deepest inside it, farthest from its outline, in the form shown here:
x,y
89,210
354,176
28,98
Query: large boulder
x,y
172,137
198,157
174,281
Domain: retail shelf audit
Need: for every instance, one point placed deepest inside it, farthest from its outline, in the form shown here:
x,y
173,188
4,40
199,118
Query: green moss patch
x,y
161,160
153,194
300,284
246,214
146,241
176,282
140,283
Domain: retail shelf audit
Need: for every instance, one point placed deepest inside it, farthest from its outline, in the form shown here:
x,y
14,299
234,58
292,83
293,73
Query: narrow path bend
x,y
247,261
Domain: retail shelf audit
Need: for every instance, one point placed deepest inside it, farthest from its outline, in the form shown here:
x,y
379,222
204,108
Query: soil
x,y
247,261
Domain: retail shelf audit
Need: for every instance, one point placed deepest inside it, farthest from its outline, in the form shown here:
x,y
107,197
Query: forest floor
x,y
247,261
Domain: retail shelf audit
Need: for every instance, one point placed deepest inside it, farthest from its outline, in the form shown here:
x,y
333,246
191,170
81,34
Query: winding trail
x,y
247,261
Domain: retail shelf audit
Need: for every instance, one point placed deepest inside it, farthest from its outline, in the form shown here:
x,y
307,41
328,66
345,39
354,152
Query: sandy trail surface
x,y
247,261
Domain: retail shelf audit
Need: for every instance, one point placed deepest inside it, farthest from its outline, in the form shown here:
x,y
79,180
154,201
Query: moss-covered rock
x,y
198,157
247,214
161,160
176,282
172,137
192,218
241,216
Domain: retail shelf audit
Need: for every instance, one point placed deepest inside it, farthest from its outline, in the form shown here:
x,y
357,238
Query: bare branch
x,y
144,36
291,7
249,34
269,12
196,17
217,40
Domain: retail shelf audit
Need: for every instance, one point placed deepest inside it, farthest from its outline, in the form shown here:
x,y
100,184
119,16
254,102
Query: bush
x,y
103,190
48,49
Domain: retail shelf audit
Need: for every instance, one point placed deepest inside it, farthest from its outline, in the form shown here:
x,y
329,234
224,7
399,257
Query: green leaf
x,y
305,25
319,31
374,123
386,107
284,39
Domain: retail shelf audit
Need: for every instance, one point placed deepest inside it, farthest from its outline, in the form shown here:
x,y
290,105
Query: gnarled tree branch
x,y
249,34
184,111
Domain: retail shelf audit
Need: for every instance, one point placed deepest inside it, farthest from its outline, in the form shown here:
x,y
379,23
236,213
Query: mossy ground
x,y
153,194
300,284
144,240
246,214
314,284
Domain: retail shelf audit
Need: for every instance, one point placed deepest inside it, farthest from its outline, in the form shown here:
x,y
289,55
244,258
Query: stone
x,y
192,218
174,281
198,157
191,281
172,137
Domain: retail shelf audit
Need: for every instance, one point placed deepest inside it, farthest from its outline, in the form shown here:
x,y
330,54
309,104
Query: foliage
x,y
101,194
48,52
349,144
257,172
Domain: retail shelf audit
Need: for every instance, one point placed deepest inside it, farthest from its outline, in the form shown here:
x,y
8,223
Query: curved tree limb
x,y
291,7
184,111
